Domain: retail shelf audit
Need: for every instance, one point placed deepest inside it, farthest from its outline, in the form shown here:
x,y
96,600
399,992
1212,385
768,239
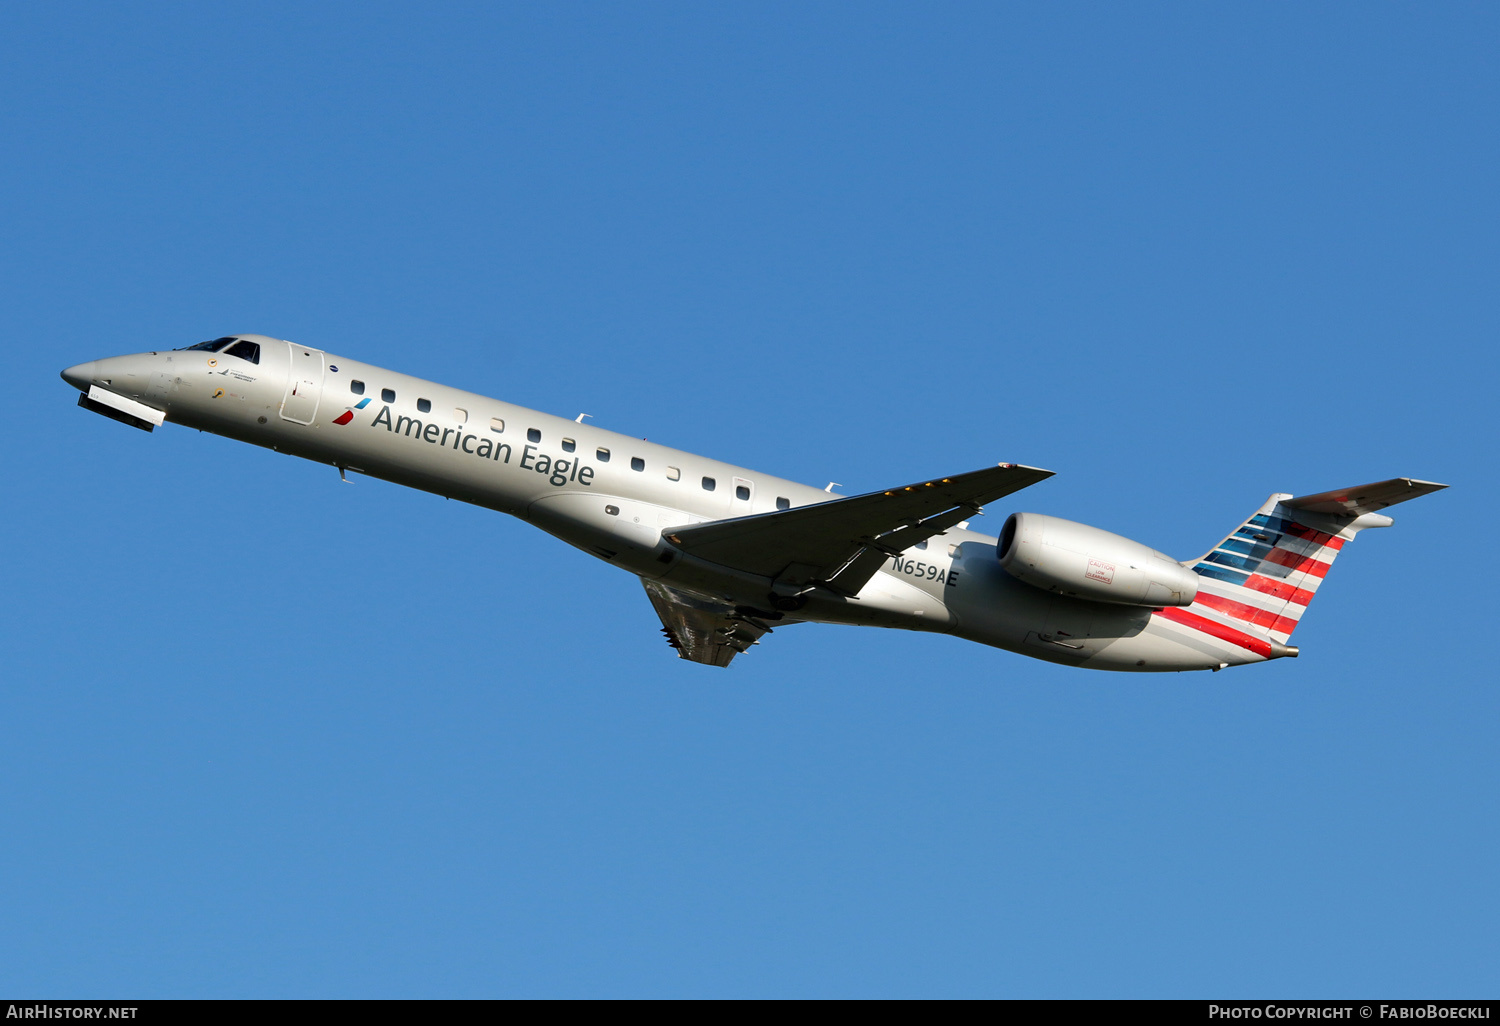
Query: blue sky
x,y
270,735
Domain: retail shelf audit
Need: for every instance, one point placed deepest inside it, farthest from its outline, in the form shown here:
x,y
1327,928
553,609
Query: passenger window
x,y
533,435
709,484
497,425
247,351
613,511
602,455
783,503
460,414
673,474
357,387
742,493
569,445
636,463
424,405
387,395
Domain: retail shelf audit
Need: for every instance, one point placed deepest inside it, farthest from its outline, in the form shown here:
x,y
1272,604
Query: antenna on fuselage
x,y
579,419
831,486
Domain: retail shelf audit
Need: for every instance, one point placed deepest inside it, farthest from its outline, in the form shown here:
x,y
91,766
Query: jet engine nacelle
x,y
1084,562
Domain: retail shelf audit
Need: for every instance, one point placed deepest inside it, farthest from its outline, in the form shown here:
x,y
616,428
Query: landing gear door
x,y
304,385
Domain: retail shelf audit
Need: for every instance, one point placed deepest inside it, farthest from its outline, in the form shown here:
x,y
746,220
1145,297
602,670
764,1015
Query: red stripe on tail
x,y
1253,615
1278,589
1306,564
1216,629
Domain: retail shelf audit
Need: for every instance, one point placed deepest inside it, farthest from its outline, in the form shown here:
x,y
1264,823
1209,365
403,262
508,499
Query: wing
x,y
701,630
841,544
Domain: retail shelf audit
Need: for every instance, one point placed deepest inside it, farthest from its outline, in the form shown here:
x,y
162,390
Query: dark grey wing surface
x,y
1352,502
842,543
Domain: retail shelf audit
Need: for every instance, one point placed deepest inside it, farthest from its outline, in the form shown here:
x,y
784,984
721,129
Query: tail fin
x,y
1264,574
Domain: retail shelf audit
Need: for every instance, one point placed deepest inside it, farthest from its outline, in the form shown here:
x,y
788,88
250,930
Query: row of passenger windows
x,y
497,425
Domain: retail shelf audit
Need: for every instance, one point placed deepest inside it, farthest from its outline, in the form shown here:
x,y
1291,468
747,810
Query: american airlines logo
x,y
348,414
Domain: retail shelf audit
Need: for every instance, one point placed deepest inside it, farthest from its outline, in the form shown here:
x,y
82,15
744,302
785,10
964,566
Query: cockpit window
x,y
248,351
214,346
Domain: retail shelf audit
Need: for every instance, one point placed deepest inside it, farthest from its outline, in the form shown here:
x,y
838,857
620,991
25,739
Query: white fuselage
x,y
613,496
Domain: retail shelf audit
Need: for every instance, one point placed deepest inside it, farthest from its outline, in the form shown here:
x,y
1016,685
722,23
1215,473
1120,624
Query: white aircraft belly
x,y
888,595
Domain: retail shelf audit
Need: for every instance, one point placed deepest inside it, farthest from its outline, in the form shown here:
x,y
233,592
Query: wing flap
x,y
703,631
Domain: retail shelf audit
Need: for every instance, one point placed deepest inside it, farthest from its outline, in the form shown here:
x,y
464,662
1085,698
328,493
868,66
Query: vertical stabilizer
x,y
1266,573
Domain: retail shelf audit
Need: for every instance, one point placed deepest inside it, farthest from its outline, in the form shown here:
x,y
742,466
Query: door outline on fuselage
x,y
739,507
304,384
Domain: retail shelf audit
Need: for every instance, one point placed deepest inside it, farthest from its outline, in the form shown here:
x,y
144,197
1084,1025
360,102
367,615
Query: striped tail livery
x,y
1255,584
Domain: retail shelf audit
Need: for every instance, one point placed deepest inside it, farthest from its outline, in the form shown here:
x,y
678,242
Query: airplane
x,y
727,554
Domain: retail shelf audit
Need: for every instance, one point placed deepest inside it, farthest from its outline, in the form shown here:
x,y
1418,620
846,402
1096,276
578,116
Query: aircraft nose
x,y
82,375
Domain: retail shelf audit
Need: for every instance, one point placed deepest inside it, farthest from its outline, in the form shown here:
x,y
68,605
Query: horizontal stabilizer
x,y
842,543
1370,498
